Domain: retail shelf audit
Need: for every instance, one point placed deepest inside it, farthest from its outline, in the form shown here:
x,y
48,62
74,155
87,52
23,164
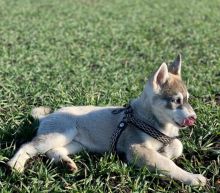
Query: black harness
x,y
129,119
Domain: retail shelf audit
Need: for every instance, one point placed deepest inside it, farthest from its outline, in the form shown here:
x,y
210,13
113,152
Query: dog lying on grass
x,y
145,131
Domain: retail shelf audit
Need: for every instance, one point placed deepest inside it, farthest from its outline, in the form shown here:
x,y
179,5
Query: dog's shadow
x,y
26,131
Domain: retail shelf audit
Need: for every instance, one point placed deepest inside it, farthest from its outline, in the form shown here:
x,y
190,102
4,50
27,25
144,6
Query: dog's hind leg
x,y
40,144
61,154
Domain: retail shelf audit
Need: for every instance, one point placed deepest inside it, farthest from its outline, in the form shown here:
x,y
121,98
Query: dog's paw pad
x,y
71,166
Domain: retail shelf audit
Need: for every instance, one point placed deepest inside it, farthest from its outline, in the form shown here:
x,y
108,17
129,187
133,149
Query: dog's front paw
x,y
197,180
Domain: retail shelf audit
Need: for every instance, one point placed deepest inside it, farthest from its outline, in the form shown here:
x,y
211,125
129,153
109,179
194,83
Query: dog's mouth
x,y
186,122
179,125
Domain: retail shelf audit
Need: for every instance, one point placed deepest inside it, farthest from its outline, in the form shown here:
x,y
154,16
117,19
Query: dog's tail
x,y
40,112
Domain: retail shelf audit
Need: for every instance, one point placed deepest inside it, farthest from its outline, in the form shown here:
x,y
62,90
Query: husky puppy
x,y
162,104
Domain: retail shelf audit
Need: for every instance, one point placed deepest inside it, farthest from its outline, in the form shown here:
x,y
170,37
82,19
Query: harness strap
x,y
120,128
151,131
145,127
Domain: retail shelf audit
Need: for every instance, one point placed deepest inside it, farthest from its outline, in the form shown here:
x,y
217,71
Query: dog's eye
x,y
176,100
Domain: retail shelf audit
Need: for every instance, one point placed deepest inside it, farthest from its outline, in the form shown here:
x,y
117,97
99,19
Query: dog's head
x,y
168,96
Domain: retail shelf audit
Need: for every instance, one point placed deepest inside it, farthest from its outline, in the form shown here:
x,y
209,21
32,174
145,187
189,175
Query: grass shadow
x,y
25,132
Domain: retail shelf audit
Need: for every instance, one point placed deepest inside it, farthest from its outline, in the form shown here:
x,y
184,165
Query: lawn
x,y
79,52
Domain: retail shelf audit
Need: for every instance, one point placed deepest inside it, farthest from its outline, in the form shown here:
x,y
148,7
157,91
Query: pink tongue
x,y
189,121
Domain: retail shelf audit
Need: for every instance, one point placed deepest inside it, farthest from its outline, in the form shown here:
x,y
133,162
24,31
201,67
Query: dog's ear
x,y
160,76
175,67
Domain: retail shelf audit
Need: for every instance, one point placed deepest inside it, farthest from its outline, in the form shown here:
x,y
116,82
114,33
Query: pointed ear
x,y
160,76
175,67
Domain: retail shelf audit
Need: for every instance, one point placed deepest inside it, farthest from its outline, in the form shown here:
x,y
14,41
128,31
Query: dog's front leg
x,y
143,156
173,150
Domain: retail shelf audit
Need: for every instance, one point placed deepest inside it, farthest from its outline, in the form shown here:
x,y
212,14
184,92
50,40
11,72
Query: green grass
x,y
98,52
